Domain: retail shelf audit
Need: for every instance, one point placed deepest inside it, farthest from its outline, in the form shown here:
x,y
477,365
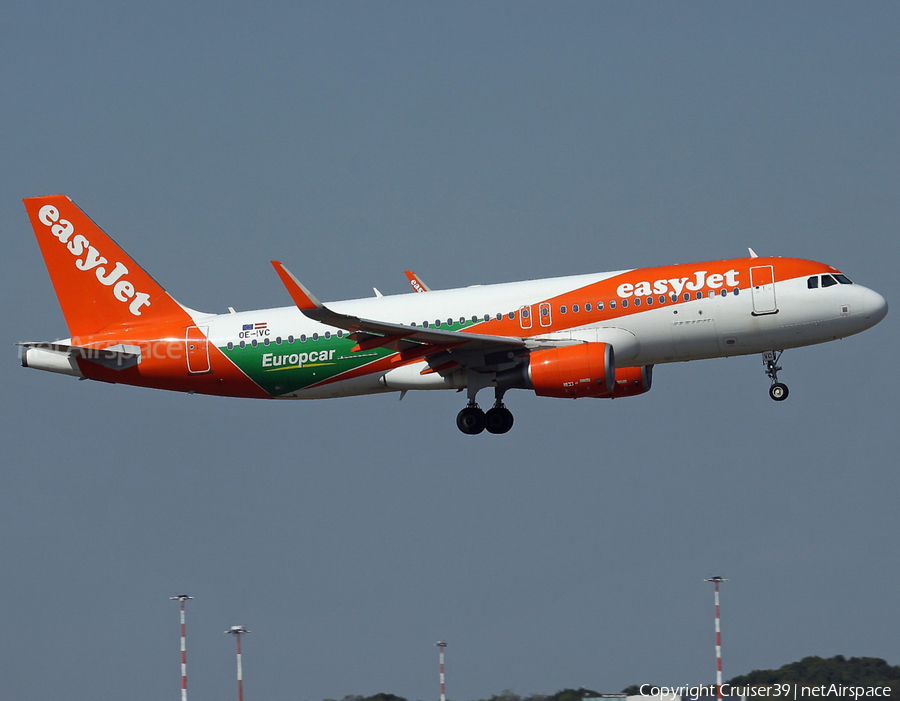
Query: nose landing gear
x,y
778,391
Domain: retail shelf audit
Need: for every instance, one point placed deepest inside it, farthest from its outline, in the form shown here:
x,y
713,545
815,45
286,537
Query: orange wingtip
x,y
302,297
416,283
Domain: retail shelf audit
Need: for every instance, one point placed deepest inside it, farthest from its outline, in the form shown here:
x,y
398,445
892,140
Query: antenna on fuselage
x,y
752,253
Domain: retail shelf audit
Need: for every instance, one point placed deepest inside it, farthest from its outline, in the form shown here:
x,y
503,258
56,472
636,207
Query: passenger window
x,y
562,309
290,339
687,296
511,315
828,281
599,306
587,306
637,302
424,324
327,335
462,321
737,291
612,304
649,300
499,316
662,299
487,317
624,303
315,337
437,323
674,297
813,282
724,293
302,338
230,346
545,311
575,308
699,295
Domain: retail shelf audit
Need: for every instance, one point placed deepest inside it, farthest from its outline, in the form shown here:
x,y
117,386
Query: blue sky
x,y
473,143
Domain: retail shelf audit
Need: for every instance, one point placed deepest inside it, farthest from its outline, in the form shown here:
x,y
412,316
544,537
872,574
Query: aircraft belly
x,y
354,387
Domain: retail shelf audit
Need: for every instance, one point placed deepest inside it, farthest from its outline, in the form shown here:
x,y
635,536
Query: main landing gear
x,y
778,391
473,420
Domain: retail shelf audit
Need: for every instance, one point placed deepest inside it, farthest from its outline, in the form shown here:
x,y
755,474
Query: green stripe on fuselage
x,y
287,367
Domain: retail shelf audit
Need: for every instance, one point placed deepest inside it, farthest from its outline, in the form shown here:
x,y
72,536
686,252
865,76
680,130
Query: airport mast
x,y
236,632
182,598
441,645
717,581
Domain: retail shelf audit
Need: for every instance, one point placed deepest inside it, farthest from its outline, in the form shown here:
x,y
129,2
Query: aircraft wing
x,y
453,347
417,284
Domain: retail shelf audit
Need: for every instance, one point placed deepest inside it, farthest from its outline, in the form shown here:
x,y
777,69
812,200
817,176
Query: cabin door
x,y
197,346
762,289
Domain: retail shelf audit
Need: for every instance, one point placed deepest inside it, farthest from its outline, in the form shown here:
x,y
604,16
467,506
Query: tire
x,y
498,420
779,391
470,420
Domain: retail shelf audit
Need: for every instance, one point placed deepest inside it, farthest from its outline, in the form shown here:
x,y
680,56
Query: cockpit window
x,y
843,279
828,281
813,282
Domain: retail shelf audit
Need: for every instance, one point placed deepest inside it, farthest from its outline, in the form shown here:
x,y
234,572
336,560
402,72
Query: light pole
x,y
182,598
236,631
717,581
441,645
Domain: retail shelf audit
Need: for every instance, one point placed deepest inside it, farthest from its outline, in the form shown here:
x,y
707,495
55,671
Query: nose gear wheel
x,y
778,391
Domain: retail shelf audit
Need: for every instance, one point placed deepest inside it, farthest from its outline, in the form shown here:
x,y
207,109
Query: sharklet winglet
x,y
303,298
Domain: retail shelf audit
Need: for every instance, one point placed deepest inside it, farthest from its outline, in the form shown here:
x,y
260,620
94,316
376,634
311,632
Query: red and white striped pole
x,y
182,598
236,632
717,581
441,645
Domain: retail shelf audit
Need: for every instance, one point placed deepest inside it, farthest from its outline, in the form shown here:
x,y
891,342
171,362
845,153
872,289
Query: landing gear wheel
x,y
498,420
778,391
470,420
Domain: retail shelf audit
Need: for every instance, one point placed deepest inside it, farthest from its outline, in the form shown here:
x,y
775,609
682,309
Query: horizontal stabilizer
x,y
62,358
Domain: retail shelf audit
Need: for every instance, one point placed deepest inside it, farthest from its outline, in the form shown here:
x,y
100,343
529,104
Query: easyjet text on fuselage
x,y
699,280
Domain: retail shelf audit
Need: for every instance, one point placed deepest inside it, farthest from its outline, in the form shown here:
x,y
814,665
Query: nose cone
x,y
874,306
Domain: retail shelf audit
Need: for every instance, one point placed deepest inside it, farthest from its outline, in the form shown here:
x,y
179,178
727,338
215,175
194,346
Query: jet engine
x,y
632,381
581,370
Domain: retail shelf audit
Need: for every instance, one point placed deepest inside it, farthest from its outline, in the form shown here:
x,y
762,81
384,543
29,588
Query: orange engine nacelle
x,y
632,381
582,370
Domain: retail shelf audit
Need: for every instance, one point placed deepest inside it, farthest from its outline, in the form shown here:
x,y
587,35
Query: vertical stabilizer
x,y
98,285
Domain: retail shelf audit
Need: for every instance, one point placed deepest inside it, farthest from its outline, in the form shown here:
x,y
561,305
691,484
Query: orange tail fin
x,y
98,285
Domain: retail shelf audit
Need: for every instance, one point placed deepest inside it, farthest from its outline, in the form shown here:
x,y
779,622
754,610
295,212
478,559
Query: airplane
x,y
590,335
